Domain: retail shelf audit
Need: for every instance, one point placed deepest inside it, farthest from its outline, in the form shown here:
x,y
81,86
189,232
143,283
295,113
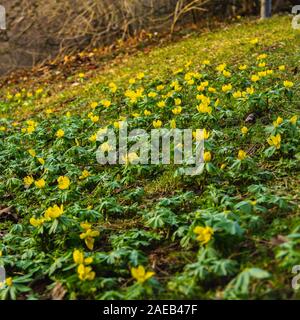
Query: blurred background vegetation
x,y
37,30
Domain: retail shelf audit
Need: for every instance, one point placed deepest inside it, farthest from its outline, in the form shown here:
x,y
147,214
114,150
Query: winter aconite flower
x,y
244,130
288,84
32,152
237,94
63,182
85,273
293,120
157,124
140,274
105,147
28,181
89,235
242,155
226,87
78,256
60,133
54,212
277,122
275,141
36,222
254,78
40,183
207,156
201,135
106,103
9,281
204,234
177,110
84,174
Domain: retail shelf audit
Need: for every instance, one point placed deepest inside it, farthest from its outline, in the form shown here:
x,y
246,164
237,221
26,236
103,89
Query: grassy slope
x,y
230,46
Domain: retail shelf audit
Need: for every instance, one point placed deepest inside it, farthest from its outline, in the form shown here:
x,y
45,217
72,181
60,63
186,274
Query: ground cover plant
x,y
74,229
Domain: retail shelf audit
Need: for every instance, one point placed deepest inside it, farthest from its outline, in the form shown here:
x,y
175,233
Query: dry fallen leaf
x,y
58,292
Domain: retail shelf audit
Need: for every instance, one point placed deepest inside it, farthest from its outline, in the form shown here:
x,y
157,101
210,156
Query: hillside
x,y
71,228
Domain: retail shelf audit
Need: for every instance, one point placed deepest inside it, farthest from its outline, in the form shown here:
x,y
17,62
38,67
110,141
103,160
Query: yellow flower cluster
x,y
204,234
88,235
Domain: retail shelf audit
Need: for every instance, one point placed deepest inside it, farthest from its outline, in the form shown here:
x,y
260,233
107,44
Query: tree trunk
x,y
265,9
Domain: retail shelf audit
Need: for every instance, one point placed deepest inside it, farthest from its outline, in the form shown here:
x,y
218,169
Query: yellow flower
x,y
226,73
237,94
9,281
113,87
242,155
60,133
30,129
207,156
226,88
140,274
293,120
244,130
255,78
85,225
206,62
131,80
277,122
173,124
161,104
94,118
28,181
201,135
157,124
41,161
78,257
40,183
223,166
281,68
212,90
262,73
221,67
204,234
54,212
254,41
243,67
49,111
177,102
88,237
275,141
152,94
105,147
147,113
262,56
204,108
262,64
140,75
63,182
32,152
106,103
2,128
85,273
288,84
81,75
84,174
130,157
250,90
177,110
36,222
93,137
94,105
